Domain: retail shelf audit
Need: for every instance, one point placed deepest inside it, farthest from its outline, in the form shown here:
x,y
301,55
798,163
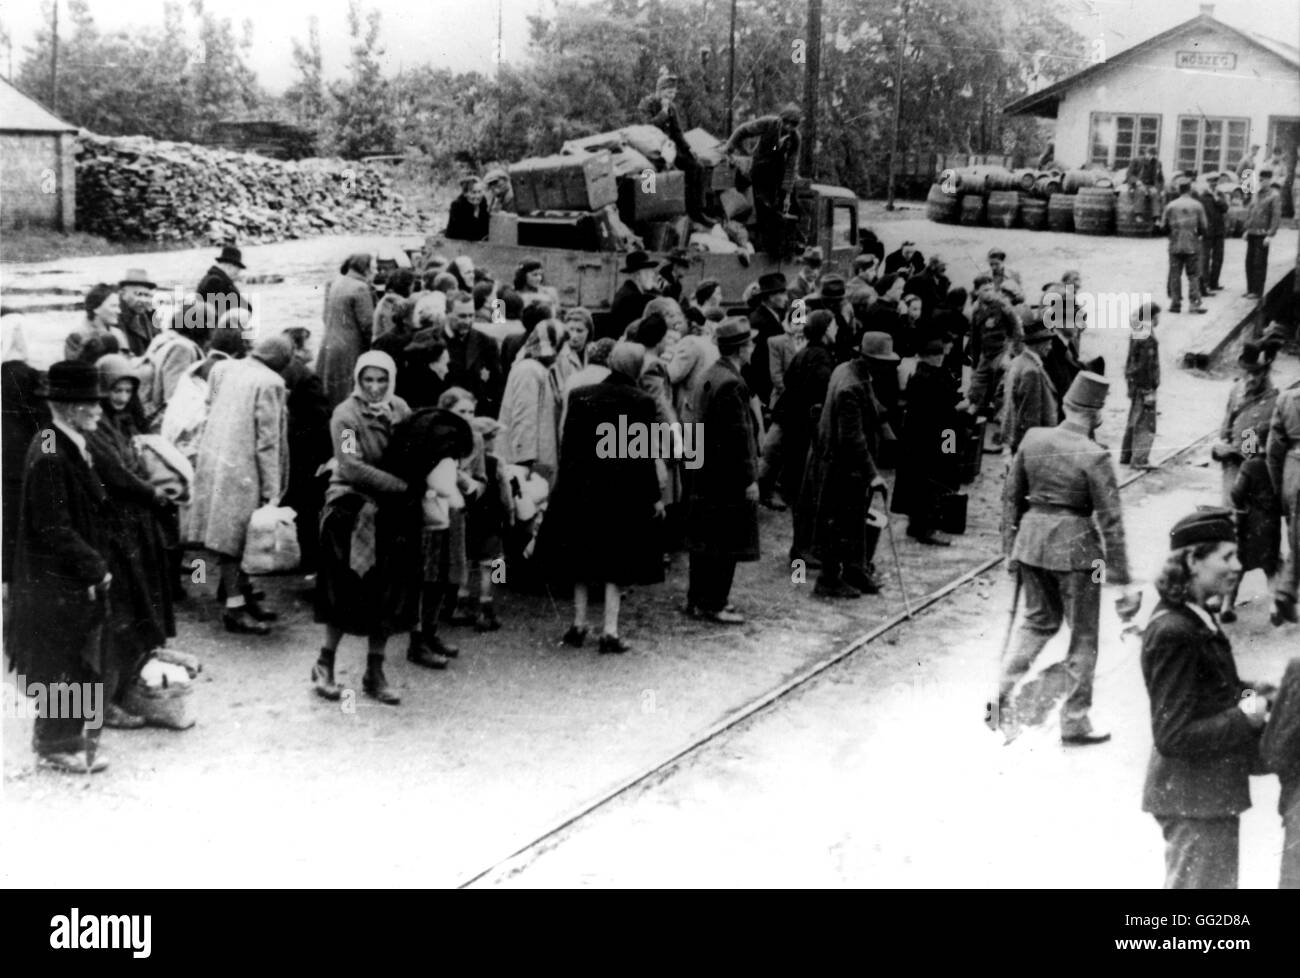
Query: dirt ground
x,y
275,787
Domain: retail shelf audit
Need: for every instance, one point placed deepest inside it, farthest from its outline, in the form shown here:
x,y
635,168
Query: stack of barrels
x,y
1085,201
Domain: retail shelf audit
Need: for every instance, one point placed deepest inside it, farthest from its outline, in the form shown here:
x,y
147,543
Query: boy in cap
x,y
1142,374
1061,522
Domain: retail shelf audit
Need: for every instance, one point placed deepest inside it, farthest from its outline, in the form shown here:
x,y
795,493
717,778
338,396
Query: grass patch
x,y
32,245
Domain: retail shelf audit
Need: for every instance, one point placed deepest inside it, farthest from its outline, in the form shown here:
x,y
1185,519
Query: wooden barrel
x,y
1003,208
1002,179
943,208
1076,180
1033,212
980,179
972,209
1060,212
1094,210
1047,184
1133,212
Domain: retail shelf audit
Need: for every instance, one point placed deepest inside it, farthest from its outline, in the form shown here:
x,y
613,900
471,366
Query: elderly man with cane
x,y
1064,537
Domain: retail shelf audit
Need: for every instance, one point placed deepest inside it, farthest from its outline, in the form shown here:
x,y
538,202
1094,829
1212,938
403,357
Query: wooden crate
x,y
564,183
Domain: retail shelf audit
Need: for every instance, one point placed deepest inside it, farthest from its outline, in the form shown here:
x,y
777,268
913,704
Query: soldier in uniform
x,y
1284,473
1064,536
1184,219
1250,408
661,109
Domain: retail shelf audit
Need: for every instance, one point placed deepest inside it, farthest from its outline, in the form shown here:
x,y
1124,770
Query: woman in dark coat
x,y
1205,722
24,413
928,459
59,599
468,219
799,408
603,522
349,320
141,617
309,447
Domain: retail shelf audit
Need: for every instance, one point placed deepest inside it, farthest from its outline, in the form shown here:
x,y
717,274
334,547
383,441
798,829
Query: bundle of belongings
x,y
163,691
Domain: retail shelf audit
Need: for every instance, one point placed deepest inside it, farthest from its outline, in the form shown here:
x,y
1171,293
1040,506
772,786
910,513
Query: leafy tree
x,y
362,118
306,96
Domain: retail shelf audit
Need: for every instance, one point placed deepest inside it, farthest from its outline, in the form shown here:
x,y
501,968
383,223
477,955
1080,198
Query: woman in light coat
x,y
242,464
349,319
530,407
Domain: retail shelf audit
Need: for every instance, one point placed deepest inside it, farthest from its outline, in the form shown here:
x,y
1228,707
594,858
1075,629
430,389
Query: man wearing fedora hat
x,y
806,282
1063,531
833,296
632,296
722,514
771,303
135,319
61,579
217,287
1031,398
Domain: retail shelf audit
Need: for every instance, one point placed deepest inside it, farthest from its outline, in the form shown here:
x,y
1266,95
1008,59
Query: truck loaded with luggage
x,y
579,212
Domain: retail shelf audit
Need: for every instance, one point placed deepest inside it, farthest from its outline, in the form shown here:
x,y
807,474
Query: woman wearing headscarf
x,y
530,407
140,600
367,581
468,217
1205,722
602,525
242,465
24,413
349,319
102,305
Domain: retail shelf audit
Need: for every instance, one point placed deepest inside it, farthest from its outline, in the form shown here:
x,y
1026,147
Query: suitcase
x,y
972,451
576,232
652,197
952,513
503,228
660,236
721,177
564,183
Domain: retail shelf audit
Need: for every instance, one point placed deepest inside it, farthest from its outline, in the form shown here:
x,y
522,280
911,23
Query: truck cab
x,y
827,216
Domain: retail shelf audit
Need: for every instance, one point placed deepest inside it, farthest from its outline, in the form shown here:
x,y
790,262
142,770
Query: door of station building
x,y
1284,133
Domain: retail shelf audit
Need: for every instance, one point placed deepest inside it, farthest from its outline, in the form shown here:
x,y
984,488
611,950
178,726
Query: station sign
x,y
1212,60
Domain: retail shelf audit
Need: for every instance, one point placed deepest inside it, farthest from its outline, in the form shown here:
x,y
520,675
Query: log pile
x,y
133,187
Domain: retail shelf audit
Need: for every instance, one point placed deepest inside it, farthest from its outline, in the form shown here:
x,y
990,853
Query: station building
x,y
38,182
1202,93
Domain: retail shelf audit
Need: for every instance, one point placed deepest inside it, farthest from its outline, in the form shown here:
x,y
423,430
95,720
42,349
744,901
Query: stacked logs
x,y
133,187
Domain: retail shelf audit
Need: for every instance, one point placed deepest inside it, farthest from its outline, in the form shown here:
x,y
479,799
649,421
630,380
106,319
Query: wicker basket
x,y
166,706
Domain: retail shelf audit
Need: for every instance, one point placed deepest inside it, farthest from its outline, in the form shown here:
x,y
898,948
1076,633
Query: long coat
x,y
476,366
925,469
1204,745
218,290
629,303
243,459
720,520
600,524
798,410
23,414
1030,398
530,414
55,630
758,375
349,318
140,595
1246,412
841,465
1259,517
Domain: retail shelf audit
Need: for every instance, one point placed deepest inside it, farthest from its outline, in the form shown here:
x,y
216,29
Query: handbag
x,y
271,546
951,513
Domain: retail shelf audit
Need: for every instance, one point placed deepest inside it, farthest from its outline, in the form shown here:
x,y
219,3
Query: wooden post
x,y
731,72
812,76
898,103
54,62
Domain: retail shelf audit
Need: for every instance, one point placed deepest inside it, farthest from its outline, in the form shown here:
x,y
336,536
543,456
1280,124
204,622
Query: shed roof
x,y
1045,101
19,113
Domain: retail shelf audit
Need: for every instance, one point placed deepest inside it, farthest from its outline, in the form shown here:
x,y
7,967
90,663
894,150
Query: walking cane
x,y
994,708
889,527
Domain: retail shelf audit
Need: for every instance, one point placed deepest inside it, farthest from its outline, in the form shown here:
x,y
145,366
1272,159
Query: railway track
x,y
519,856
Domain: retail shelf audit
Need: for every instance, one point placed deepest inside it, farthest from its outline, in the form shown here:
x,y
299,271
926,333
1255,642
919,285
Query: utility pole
x,y
898,104
54,63
812,78
731,72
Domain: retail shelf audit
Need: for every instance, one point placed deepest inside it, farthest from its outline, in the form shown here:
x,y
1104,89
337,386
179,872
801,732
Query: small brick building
x,y
38,180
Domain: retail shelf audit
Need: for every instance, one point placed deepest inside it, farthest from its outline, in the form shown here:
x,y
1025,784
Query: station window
x,y
1117,138
1209,145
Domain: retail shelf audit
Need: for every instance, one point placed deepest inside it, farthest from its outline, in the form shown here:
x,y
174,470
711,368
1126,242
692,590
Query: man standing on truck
x,y
661,110
773,171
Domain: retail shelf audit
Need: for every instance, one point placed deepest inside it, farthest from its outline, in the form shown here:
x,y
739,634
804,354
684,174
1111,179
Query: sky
x,y
461,34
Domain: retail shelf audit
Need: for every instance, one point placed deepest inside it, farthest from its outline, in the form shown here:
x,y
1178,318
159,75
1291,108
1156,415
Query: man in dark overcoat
x,y
1205,727
632,296
1062,524
61,577
797,412
217,287
841,474
1031,398
475,363
928,466
722,515
771,303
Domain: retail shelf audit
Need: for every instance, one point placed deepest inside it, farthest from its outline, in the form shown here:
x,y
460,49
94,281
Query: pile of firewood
x,y
133,187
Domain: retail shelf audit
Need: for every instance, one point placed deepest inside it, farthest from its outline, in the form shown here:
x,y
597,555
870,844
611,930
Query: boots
x,y
428,652
375,684
322,677
487,618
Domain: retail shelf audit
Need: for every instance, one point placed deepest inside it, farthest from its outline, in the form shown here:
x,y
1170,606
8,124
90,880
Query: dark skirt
x,y
385,601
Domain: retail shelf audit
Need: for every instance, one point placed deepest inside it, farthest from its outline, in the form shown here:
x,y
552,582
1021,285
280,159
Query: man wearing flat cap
x,y
722,514
1205,722
661,110
135,317
1063,531
773,171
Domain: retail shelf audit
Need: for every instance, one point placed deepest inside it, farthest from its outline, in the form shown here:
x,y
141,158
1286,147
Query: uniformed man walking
x,y
1184,220
1064,537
